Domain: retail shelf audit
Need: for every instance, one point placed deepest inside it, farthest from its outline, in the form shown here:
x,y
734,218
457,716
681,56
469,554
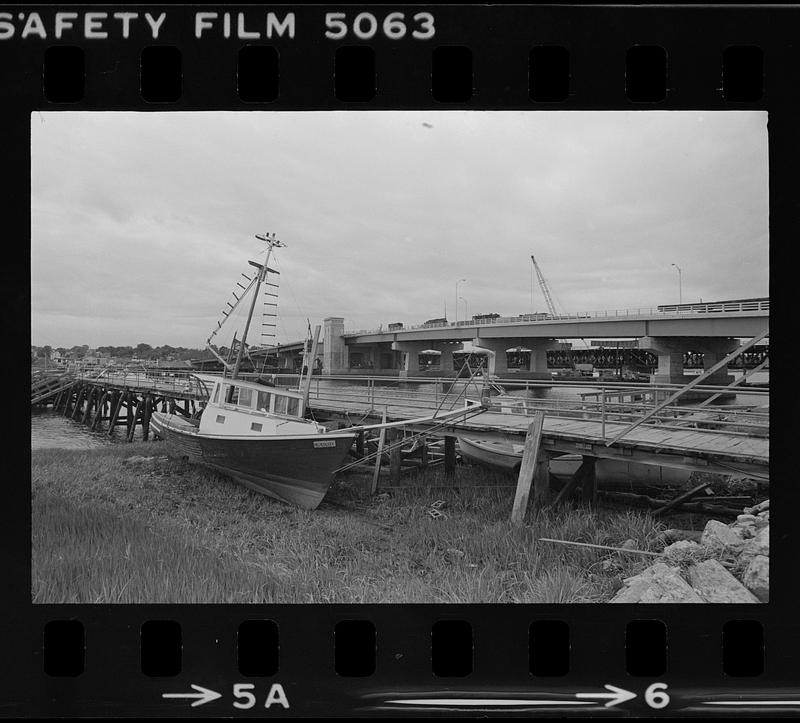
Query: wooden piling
x,y
89,401
423,455
99,412
378,457
449,455
129,414
527,469
136,418
116,406
541,480
78,400
360,445
395,457
148,410
589,482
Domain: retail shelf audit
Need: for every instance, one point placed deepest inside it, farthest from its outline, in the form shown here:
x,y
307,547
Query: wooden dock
x,y
667,444
737,442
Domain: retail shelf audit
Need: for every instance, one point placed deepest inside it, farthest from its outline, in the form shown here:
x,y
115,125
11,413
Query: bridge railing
x,y
662,311
144,380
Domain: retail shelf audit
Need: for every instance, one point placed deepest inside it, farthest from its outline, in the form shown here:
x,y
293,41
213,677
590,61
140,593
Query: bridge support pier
x,y
670,351
334,357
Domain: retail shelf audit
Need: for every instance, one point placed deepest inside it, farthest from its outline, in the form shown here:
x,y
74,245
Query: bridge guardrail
x,y
657,312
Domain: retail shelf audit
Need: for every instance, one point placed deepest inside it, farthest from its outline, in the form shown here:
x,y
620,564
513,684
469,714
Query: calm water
x,y
51,430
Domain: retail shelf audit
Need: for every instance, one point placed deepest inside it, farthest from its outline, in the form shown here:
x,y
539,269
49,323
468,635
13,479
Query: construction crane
x,y
545,288
551,307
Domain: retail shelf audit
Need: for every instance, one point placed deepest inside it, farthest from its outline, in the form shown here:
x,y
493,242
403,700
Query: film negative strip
x,y
403,153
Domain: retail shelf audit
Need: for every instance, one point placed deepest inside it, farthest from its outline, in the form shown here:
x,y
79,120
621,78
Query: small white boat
x,y
507,457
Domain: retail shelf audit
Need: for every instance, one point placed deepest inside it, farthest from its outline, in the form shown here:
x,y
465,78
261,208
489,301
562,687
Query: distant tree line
x,y
140,351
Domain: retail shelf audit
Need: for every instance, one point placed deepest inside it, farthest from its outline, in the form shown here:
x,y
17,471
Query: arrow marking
x,y
203,695
616,696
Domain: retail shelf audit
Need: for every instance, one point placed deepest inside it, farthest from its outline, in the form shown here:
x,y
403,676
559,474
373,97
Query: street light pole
x,y
457,283
680,284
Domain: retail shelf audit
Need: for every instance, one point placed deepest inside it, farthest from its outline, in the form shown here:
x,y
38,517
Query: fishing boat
x,y
257,433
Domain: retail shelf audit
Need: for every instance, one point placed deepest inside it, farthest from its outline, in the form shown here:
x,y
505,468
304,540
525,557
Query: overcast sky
x,y
143,222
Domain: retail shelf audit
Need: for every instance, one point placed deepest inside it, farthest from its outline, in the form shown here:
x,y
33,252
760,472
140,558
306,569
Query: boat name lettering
x,y
324,443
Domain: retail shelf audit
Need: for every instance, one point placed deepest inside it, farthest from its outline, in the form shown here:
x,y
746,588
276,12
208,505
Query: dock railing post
x,y
603,412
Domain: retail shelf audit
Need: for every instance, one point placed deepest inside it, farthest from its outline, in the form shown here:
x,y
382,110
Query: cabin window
x,y
220,419
281,403
232,394
245,397
256,426
216,393
262,403
293,407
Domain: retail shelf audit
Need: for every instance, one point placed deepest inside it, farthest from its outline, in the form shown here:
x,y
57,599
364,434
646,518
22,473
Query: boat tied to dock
x,y
258,433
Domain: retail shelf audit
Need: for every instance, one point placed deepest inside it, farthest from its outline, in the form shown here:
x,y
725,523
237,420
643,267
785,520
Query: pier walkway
x,y
724,439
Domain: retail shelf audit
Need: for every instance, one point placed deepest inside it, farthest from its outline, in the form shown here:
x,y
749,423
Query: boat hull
x,y
297,470
506,457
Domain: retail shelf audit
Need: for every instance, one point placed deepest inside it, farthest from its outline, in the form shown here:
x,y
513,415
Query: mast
x,y
271,242
309,359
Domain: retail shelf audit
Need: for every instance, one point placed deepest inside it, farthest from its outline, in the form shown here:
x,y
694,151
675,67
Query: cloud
x,y
143,222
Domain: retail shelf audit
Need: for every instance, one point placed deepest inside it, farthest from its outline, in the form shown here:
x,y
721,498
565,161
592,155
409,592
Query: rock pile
x,y
730,564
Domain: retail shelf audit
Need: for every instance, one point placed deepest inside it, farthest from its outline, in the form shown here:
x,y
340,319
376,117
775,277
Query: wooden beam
x,y
137,416
148,410
78,400
395,457
589,482
527,469
381,441
449,455
129,413
541,480
575,480
681,498
99,414
116,405
89,399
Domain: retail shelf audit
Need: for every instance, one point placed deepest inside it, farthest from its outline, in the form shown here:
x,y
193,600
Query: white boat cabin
x,y
241,408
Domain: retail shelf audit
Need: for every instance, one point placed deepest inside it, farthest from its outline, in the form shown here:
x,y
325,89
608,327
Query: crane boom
x,y
545,289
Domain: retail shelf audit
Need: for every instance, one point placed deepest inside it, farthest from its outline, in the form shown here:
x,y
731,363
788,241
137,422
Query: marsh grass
x,y
168,531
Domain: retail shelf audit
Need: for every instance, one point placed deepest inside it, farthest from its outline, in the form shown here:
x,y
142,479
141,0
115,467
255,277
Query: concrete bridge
x,y
711,329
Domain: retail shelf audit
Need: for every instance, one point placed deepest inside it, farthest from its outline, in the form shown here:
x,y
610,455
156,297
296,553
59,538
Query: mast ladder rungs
x,y
265,324
266,293
249,278
270,303
269,283
241,286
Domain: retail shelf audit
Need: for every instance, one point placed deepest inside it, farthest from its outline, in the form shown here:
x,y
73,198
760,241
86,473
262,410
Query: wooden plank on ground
x,y
527,469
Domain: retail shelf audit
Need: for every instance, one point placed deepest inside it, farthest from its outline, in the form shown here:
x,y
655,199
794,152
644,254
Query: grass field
x,y
105,531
